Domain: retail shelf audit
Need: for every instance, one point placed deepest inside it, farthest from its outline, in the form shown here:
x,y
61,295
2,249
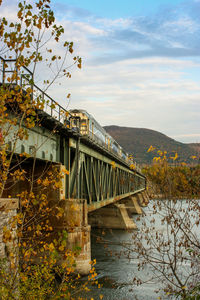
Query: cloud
x,y
69,11
172,32
137,71
8,11
134,95
189,135
188,138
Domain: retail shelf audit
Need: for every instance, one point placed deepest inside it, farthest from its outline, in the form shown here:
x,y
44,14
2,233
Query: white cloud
x,y
134,73
184,23
88,29
129,94
8,11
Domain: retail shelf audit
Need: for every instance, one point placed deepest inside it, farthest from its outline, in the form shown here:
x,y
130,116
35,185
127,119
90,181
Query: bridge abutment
x,y
132,205
143,199
146,196
115,216
78,239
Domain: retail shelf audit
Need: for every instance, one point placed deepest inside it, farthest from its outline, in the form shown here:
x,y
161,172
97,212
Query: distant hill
x,y
138,140
195,147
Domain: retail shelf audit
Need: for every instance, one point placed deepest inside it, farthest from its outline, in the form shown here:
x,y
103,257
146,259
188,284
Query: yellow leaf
x,y
61,248
66,172
113,164
51,247
193,157
156,158
151,148
175,156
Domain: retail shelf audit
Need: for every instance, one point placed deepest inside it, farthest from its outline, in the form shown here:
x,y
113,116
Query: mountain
x,y
138,140
195,147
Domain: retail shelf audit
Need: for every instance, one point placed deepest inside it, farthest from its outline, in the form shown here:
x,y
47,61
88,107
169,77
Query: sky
x,y
141,63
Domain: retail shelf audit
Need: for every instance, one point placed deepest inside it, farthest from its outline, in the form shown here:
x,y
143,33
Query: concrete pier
x,y
79,237
142,199
132,205
76,224
146,196
114,216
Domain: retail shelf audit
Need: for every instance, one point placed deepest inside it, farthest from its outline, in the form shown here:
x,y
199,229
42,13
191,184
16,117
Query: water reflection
x,y
116,271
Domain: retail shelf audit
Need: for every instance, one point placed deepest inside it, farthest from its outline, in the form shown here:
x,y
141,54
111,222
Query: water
x,y
116,271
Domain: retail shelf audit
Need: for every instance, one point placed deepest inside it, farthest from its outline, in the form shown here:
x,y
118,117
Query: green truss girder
x,y
95,179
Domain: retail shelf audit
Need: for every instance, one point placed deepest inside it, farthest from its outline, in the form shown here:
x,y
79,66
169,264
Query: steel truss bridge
x,y
95,174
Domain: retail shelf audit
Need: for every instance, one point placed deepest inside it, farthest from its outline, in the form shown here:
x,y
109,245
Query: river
x,y
116,271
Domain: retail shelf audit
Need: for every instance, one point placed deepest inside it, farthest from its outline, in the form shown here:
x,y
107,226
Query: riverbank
x,y
172,182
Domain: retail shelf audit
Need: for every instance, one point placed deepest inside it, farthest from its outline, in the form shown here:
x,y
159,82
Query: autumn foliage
x,y
39,263
173,179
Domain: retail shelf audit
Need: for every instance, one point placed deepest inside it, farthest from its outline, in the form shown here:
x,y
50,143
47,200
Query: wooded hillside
x,y
138,140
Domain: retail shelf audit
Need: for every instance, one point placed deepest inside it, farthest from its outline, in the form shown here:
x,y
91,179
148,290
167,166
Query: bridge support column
x,y
146,196
114,216
79,233
132,205
142,198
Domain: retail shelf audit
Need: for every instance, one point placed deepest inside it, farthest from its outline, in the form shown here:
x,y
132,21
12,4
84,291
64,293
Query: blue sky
x,y
141,63
118,9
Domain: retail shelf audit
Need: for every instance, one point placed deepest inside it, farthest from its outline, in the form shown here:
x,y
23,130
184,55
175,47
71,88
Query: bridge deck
x,y
95,173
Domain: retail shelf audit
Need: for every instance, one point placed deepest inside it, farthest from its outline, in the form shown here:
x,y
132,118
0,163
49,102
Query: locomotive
x,y
82,121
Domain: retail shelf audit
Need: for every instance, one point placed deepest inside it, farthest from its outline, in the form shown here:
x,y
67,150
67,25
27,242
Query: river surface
x,y
115,271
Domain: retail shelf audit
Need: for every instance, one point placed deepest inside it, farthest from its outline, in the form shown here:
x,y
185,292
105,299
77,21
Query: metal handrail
x,y
54,109
60,113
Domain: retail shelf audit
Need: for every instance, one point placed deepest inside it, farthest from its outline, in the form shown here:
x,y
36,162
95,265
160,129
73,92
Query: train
x,y
81,121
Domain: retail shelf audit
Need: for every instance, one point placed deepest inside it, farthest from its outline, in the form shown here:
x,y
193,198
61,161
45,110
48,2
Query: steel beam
x,y
98,178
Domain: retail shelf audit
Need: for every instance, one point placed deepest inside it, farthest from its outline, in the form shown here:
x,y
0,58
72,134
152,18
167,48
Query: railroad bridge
x,y
98,183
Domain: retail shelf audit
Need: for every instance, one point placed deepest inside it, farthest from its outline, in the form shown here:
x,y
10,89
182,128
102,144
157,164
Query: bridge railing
x,y
24,78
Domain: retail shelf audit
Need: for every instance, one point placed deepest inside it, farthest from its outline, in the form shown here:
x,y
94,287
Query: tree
x,y
45,266
173,252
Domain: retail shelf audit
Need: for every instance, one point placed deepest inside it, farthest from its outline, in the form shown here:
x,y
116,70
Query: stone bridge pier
x,y
78,223
119,215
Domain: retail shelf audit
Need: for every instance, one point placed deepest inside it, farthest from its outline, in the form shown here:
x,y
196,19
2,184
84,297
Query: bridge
x,y
98,189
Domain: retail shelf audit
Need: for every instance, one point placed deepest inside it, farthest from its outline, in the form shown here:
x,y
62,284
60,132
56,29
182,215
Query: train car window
x,y
74,123
83,122
90,125
66,123
83,126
